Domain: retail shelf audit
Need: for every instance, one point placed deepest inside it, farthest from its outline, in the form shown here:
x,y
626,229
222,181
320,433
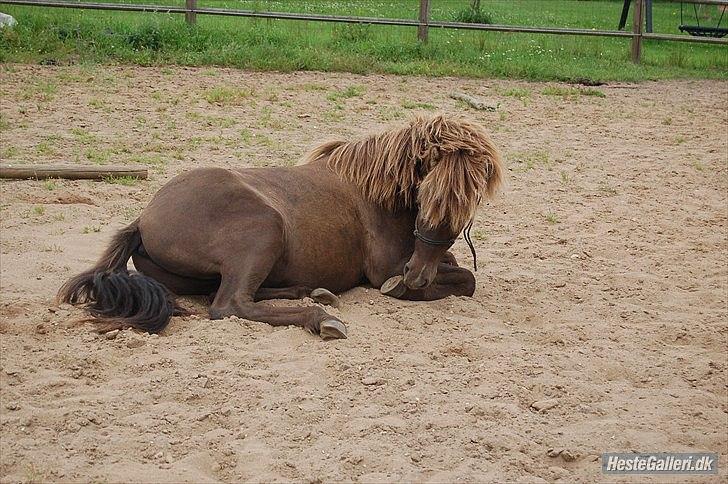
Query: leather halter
x,y
430,241
449,242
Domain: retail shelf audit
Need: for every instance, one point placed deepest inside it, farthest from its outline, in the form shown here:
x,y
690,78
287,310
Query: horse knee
x,y
468,284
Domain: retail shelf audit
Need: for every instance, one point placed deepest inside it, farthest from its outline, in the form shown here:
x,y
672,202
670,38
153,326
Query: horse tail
x,y
117,298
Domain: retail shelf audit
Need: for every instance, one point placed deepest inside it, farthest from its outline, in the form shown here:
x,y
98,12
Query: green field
x,y
63,36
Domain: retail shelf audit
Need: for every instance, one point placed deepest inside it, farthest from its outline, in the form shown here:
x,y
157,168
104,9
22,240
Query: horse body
x,y
383,210
313,229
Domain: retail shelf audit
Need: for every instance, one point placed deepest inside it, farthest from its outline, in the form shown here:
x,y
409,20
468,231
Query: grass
x,y
126,181
227,95
528,160
523,94
268,120
474,16
416,105
349,92
154,160
571,92
245,136
313,87
99,104
63,36
44,148
480,235
9,152
44,91
211,121
83,136
390,113
97,156
333,115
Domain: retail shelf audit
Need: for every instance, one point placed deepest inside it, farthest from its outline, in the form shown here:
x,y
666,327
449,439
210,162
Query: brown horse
x,y
384,209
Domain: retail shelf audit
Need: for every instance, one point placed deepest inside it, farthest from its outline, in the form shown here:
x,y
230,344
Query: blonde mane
x,y
445,165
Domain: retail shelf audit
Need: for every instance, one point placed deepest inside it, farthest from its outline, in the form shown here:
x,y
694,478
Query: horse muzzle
x,y
415,279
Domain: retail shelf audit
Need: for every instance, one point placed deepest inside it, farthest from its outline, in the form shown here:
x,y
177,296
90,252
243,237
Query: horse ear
x,y
434,124
431,158
426,142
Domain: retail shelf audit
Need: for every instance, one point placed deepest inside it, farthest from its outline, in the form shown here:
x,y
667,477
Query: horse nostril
x,y
406,268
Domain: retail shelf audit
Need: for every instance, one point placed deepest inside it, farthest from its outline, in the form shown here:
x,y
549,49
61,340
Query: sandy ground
x,y
603,286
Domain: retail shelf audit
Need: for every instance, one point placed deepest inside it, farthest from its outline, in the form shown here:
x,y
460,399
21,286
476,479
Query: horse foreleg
x,y
449,259
449,281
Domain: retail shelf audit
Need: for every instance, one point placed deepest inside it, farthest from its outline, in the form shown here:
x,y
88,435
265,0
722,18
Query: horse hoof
x,y
394,286
332,329
324,296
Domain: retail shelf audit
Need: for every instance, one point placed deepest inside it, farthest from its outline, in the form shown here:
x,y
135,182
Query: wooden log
x,y
70,172
472,102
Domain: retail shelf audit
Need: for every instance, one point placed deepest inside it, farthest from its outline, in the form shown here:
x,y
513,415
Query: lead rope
x,y
469,241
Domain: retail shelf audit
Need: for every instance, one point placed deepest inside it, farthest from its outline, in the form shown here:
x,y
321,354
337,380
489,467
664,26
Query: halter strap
x,y
449,242
430,241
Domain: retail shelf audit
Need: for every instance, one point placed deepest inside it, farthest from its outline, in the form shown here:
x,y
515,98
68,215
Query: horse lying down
x,y
382,210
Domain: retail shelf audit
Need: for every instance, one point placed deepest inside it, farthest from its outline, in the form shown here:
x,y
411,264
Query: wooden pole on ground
x,y
190,15
70,172
423,28
637,22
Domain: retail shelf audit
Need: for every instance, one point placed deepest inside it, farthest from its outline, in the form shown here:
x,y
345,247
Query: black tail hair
x,y
117,298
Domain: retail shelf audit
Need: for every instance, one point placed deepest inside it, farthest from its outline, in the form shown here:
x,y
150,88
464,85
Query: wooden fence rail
x,y
423,23
70,171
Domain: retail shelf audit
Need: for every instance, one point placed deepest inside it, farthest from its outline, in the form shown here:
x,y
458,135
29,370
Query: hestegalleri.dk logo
x,y
660,463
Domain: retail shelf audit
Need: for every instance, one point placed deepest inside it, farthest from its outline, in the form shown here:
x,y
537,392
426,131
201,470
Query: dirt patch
x,y
601,297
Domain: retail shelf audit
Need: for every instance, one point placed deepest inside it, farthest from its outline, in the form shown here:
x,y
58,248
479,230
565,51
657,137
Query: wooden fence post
x,y
637,22
423,28
190,15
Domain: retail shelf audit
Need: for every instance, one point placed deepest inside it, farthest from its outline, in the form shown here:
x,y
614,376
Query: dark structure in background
x,y
696,29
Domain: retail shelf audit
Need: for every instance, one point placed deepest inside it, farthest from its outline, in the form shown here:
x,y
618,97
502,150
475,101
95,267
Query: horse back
x,y
195,223
306,217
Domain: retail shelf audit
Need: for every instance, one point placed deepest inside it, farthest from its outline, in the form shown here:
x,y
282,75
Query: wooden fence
x,y
423,23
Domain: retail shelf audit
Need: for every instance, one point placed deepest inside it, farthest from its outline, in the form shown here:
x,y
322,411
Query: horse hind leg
x,y
180,285
313,319
236,297
319,295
